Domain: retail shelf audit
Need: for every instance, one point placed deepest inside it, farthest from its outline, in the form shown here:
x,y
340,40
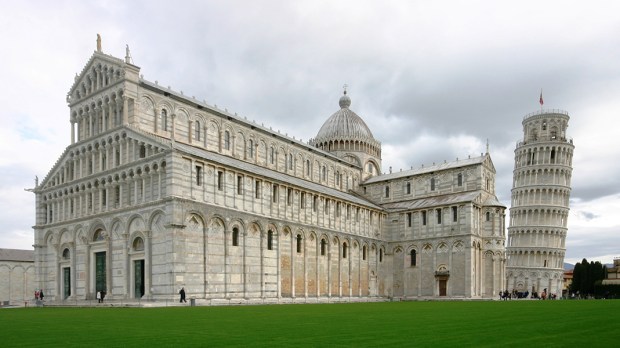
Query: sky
x,y
434,81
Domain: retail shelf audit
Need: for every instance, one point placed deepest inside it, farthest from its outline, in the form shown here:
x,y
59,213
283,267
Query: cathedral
x,y
158,191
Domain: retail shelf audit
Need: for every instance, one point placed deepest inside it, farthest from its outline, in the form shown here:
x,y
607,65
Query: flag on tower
x,y
541,99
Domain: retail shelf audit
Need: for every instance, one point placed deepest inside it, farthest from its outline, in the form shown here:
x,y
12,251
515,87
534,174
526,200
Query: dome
x,y
344,124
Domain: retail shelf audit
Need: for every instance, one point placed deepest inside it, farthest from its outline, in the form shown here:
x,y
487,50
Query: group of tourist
x,y
506,295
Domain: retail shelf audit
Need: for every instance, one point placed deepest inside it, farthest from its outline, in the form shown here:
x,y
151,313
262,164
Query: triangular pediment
x,y
101,70
488,163
63,173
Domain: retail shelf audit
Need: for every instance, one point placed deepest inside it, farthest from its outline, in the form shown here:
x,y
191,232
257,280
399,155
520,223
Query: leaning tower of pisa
x,y
540,203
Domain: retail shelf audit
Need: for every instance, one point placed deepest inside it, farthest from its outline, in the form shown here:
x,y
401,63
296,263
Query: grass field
x,y
591,323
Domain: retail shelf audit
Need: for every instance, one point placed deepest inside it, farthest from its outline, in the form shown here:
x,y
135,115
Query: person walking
x,y
182,293
98,296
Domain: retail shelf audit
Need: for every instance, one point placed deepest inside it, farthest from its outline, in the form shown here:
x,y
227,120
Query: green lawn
x,y
524,323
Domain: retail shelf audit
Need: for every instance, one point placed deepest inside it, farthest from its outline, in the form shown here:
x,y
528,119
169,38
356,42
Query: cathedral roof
x,y
344,124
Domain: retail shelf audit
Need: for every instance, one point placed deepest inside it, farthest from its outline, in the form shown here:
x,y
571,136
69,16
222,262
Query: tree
x,y
585,276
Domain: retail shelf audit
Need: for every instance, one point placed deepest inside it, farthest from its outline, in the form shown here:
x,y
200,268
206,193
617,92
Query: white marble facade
x,y
159,191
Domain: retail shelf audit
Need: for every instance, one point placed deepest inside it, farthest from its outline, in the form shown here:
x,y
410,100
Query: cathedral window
x,y
220,180
251,149
272,155
344,250
302,200
104,197
308,169
66,254
323,247
380,255
290,161
408,188
432,184
198,175
289,196
488,216
226,140
424,218
326,210
235,237
454,214
239,184
164,120
408,219
315,203
413,257
117,197
118,158
142,151
459,179
257,189
438,212
270,240
324,173
364,253
197,131
387,192
274,193
552,156
299,243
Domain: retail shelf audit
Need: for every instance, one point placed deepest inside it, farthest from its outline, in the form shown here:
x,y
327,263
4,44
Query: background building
x,y
17,284
540,204
159,191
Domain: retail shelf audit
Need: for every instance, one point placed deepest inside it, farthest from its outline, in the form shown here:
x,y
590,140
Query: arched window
x,y
408,188
387,192
308,167
459,179
488,216
413,258
164,120
364,253
226,140
138,244
250,148
235,237
270,240
299,243
197,131
290,161
344,250
432,184
66,254
272,155
380,255
323,246
324,173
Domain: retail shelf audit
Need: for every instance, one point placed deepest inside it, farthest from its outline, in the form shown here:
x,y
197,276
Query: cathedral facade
x,y
159,191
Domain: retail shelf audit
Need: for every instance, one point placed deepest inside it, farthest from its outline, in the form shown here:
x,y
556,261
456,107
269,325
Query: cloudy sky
x,y
432,79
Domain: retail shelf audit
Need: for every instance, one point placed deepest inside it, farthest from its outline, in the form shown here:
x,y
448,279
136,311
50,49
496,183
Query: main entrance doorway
x,y
100,274
138,268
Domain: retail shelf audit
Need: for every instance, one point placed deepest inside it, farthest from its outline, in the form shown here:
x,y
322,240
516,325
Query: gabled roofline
x,y
239,120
